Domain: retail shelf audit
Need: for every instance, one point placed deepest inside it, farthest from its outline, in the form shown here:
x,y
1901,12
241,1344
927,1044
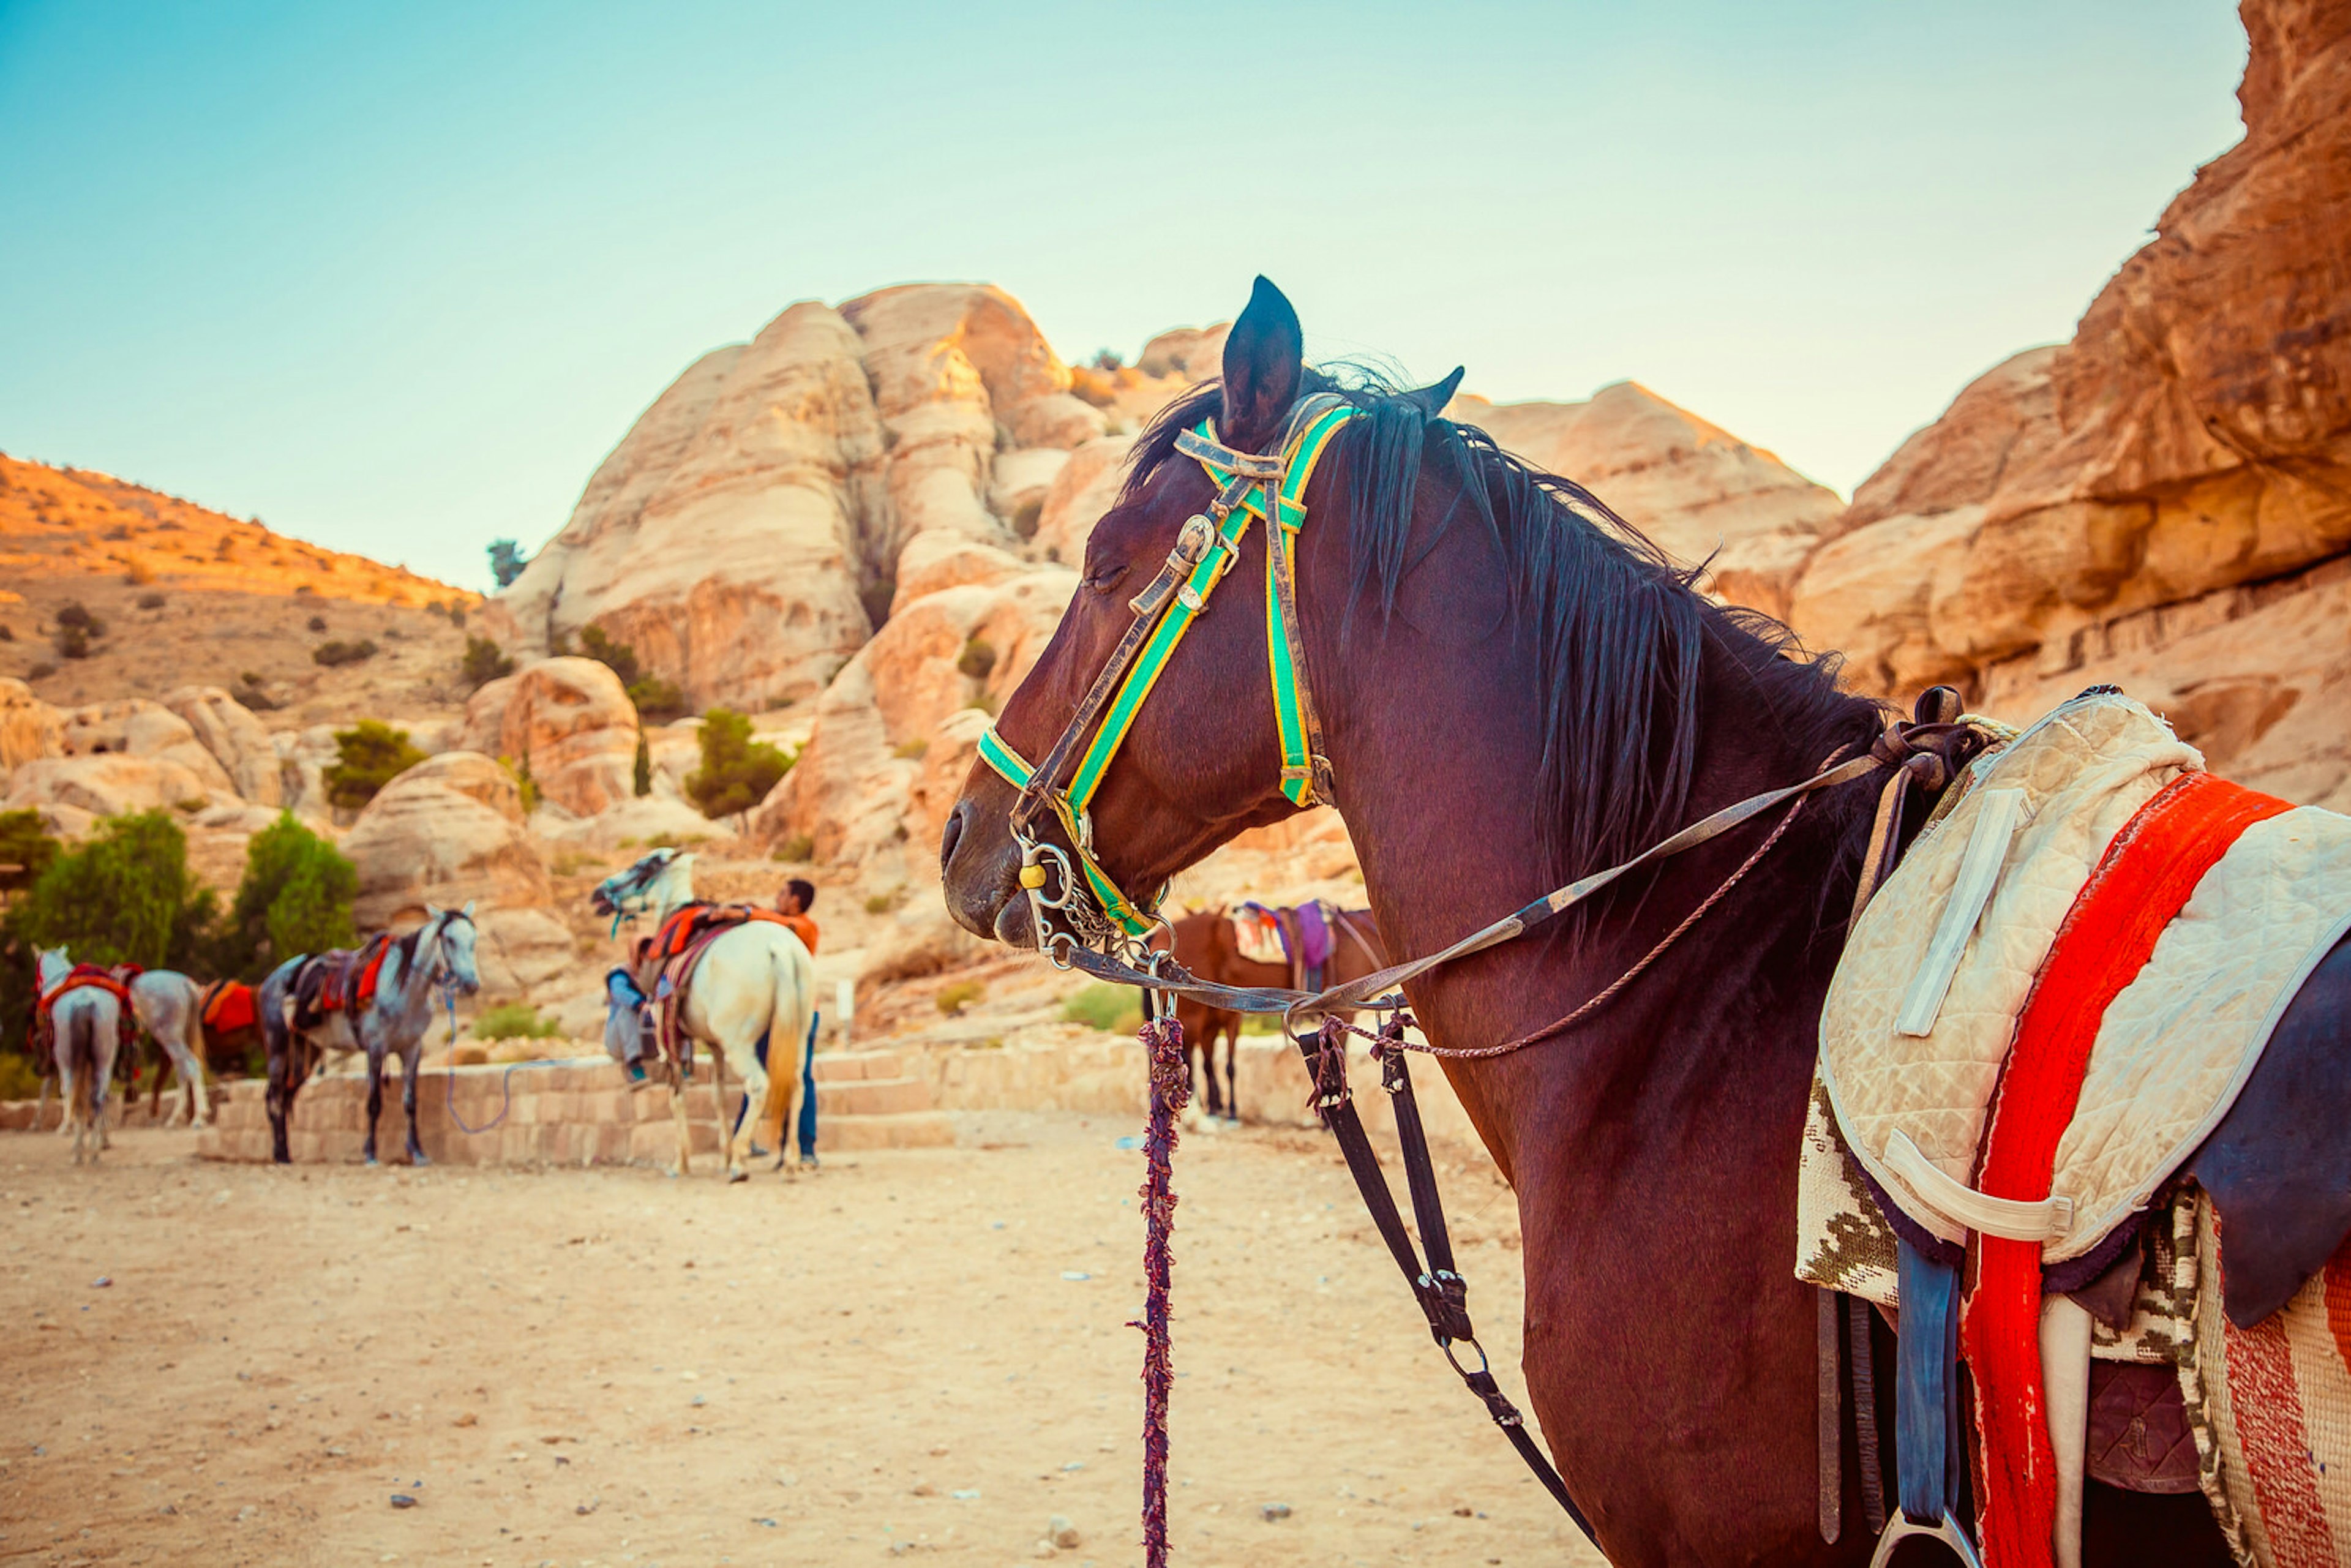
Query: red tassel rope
x,y
1171,1091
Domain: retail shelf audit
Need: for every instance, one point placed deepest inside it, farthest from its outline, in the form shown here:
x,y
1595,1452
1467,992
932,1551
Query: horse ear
x,y
1265,357
1433,398
468,911
432,912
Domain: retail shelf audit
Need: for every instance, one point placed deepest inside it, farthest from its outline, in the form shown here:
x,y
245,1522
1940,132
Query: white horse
x,y
85,1027
170,1007
438,953
755,979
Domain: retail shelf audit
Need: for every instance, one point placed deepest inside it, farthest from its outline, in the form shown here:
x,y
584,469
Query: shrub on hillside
x,y
338,652
152,601
295,897
977,658
368,756
316,623
958,995
640,773
615,655
796,849
485,661
658,700
25,849
76,615
736,771
514,1021
125,897
1114,1008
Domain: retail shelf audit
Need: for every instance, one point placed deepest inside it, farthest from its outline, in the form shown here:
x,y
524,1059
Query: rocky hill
x,y
2165,501
187,595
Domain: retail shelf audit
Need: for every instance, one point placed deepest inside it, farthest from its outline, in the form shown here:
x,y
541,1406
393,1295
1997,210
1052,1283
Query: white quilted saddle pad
x,y
2175,1047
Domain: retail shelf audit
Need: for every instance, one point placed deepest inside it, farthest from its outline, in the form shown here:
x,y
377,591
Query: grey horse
x,y
85,1026
439,952
170,1007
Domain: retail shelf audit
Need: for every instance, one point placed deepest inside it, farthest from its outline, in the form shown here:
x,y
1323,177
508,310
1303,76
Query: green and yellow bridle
x,y
1249,486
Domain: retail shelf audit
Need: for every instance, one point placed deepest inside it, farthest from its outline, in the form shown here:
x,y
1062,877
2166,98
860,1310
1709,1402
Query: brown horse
x,y
1516,688
1205,945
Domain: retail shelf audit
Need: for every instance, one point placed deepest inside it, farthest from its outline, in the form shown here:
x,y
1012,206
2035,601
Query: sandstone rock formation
x,y
2165,500
29,727
106,784
904,692
235,739
773,504
450,831
1694,488
571,721
139,727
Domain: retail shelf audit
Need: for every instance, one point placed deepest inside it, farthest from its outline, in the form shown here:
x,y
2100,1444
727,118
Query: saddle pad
x,y
228,1008
2173,1049
1257,934
2276,1440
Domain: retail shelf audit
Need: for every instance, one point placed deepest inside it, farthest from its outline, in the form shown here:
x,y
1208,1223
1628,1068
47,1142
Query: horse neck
x,y
1436,749
672,891
413,982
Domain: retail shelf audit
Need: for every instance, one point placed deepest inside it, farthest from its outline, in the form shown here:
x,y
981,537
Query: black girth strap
x,y
1443,1294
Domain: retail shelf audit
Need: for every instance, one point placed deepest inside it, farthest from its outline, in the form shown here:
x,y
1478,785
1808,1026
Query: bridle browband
x,y
1095,912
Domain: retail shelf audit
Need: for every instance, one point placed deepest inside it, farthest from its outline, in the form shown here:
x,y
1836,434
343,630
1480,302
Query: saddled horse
x,y
1206,945
170,1008
393,1020
85,1018
1515,689
754,980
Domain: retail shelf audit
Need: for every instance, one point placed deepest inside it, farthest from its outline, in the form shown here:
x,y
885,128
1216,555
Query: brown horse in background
x,y
1206,945
1517,689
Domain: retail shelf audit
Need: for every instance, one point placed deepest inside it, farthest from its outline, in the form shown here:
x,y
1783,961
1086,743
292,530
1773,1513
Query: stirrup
x,y
1901,1527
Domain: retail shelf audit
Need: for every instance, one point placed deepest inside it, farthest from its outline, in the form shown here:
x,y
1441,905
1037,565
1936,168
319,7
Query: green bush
x,y
19,1078
977,659
1115,1008
125,897
797,848
913,750
640,776
514,1021
736,771
657,700
338,652
295,897
25,845
615,655
953,998
520,773
485,661
70,641
369,756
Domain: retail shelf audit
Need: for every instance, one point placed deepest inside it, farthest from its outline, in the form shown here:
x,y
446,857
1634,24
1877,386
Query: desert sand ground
x,y
919,1354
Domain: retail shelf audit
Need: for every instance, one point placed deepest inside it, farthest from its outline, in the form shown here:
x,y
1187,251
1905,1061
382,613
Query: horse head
x,y
53,964
658,881
1203,757
451,931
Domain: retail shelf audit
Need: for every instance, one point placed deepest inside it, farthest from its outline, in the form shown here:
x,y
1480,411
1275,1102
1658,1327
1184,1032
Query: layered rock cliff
x,y
2165,501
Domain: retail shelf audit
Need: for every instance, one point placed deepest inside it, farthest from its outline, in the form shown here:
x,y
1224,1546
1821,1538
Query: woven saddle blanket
x,y
1924,1007
1257,934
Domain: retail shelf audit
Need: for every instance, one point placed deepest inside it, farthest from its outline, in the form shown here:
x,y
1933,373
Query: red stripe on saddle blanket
x,y
228,1008
86,974
689,921
2145,879
364,993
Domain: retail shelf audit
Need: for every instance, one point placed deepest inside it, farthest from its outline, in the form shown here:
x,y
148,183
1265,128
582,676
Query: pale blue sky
x,y
395,278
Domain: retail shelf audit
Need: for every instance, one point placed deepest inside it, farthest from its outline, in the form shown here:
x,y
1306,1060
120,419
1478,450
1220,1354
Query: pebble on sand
x,y
1273,1510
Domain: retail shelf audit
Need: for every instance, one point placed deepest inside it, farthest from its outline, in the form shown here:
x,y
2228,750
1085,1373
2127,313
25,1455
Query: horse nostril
x,y
948,839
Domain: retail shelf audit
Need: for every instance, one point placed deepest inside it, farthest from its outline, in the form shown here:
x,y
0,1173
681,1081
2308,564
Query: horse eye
x,y
1106,578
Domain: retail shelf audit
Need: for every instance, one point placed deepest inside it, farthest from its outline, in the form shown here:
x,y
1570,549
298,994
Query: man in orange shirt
x,y
793,904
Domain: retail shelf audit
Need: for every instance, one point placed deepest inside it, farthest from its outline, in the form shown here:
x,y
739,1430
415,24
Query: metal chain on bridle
x,y
1084,920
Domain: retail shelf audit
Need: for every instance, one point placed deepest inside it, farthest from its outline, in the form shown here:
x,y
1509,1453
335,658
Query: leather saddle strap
x,y
1438,1289
1868,1447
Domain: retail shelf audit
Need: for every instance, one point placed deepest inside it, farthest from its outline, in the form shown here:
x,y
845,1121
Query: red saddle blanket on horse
x,y
228,1008
690,922
84,975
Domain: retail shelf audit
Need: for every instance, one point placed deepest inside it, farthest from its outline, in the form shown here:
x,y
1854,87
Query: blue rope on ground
x,y
506,1095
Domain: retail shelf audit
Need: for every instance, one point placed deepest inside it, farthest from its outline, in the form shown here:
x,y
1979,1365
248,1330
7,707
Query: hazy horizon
x,y
397,283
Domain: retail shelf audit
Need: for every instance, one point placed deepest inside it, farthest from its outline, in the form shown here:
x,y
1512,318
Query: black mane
x,y
1619,632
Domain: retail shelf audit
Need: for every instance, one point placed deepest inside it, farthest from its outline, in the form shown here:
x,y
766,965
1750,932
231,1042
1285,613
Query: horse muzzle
x,y
979,875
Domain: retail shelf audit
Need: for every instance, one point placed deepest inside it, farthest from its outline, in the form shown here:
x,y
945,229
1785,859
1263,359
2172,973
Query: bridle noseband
x,y
1094,911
